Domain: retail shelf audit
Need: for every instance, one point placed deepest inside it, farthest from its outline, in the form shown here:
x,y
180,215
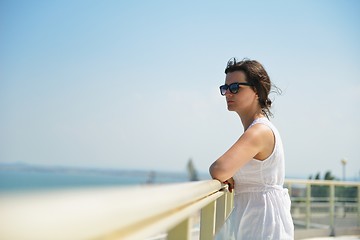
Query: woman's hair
x,y
258,77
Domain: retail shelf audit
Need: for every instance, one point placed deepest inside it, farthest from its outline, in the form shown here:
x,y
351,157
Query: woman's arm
x,y
252,142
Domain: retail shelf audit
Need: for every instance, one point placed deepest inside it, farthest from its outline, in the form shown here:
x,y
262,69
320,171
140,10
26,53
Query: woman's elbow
x,y
217,172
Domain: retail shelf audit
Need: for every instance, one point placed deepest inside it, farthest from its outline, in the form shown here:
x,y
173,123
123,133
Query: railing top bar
x,y
84,214
165,223
321,182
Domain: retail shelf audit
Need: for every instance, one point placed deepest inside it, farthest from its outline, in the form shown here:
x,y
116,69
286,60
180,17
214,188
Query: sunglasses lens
x,y
234,88
223,89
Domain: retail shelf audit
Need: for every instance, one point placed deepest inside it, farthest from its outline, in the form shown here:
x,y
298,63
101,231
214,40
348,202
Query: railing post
x,y
181,231
308,205
207,221
220,212
358,206
229,203
289,187
332,209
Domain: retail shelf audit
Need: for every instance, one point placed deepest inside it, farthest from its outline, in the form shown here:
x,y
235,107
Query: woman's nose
x,y
227,92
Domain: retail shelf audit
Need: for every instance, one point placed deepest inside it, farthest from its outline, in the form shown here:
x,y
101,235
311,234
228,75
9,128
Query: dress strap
x,y
262,120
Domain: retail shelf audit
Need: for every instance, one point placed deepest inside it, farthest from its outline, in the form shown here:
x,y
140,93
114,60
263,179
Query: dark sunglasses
x,y
233,88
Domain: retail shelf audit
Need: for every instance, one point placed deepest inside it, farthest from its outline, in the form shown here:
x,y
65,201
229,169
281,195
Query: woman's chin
x,y
230,108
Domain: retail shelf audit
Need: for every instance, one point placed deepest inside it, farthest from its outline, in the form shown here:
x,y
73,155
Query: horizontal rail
x,y
309,202
110,213
322,182
135,212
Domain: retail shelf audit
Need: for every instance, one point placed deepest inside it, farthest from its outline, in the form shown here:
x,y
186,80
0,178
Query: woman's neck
x,y
247,119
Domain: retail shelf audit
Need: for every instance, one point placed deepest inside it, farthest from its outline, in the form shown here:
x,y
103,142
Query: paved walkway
x,y
335,238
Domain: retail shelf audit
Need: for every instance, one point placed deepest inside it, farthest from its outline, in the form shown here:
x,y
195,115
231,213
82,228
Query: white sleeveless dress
x,y
261,204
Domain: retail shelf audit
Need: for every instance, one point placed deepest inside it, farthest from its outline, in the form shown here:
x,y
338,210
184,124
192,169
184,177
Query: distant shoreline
x,y
29,167
20,166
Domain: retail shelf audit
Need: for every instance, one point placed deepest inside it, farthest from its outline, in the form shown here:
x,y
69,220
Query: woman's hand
x,y
231,183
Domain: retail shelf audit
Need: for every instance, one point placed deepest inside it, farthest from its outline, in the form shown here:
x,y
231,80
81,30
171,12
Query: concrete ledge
x,y
347,231
311,233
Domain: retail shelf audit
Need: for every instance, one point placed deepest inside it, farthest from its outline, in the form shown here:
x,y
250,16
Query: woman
x,y
254,165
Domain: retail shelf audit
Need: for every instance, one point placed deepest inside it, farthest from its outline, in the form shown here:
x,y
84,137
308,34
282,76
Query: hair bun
x,y
268,102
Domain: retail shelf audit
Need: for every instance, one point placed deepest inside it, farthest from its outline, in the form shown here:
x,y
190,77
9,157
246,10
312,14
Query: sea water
x,y
28,180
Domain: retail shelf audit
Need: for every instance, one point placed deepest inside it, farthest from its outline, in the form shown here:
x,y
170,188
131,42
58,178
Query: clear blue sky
x,y
134,84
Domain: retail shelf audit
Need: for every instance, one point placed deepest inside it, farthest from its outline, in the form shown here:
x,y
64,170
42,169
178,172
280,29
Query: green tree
x,y
317,176
329,176
344,193
321,191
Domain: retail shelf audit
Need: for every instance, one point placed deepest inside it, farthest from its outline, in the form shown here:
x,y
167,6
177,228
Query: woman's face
x,y
245,98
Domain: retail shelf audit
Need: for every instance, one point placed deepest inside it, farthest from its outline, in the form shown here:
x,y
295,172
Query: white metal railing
x,y
144,211
325,206
116,213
